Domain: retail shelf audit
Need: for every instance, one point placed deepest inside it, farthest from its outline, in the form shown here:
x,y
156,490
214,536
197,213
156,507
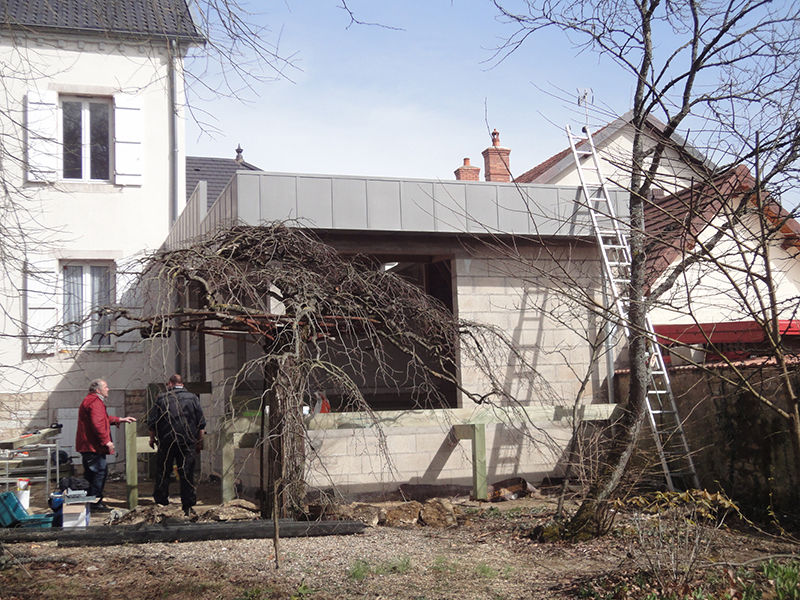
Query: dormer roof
x,y
110,18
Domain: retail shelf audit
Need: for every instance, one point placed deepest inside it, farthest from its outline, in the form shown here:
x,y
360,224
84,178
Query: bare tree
x,y
725,70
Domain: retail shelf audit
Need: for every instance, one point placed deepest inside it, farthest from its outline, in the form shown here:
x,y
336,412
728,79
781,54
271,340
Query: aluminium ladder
x,y
665,422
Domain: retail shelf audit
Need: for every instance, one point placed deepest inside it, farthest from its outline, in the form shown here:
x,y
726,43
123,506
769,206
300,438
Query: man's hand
x,y
152,442
199,445
110,446
127,419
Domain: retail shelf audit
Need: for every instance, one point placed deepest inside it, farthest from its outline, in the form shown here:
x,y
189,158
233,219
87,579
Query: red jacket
x,y
94,425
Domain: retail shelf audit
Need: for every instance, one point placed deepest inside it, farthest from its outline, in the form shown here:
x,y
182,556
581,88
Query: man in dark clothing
x,y
177,426
93,439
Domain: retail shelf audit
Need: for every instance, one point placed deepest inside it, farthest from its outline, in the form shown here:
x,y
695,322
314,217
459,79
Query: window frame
x,y
86,146
86,329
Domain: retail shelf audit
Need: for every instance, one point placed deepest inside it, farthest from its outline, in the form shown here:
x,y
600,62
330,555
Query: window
x,y
86,288
86,138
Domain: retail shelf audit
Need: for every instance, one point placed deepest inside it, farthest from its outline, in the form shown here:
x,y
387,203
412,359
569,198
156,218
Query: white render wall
x,y
714,290
81,221
674,173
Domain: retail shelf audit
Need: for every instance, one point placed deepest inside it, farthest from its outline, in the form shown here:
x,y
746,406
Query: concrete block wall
x,y
372,460
525,298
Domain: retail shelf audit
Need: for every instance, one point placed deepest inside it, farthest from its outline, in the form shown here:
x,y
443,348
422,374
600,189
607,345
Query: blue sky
x,y
411,102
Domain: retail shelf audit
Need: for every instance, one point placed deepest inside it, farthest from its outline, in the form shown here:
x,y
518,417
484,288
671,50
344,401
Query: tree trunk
x,y
285,439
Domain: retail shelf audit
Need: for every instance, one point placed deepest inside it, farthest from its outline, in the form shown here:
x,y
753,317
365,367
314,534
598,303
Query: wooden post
x,y
228,454
131,466
476,433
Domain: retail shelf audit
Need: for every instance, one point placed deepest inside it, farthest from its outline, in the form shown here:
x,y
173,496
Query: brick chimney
x,y
467,172
496,161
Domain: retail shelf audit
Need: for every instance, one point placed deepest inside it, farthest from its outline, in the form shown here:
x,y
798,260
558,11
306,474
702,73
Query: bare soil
x,y
490,554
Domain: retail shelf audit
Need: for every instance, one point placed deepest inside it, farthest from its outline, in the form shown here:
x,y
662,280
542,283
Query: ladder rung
x,y
663,412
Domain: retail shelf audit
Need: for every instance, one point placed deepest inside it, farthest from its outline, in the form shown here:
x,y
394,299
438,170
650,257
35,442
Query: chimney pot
x,y
239,150
496,160
467,172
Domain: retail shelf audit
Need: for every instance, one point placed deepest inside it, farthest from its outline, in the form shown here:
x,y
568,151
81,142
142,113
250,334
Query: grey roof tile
x,y
140,18
216,172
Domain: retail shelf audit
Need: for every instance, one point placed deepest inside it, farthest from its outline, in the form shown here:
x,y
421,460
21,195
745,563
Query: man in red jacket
x,y
93,439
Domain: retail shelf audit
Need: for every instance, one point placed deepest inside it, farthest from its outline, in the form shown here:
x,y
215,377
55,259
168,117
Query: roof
x,y
673,223
551,167
216,172
137,18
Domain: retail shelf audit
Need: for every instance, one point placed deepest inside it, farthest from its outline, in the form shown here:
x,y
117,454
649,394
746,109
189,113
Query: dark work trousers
x,y
95,470
167,455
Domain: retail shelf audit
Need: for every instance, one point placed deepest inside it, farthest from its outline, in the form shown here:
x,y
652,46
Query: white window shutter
x,y
129,296
41,305
128,136
42,136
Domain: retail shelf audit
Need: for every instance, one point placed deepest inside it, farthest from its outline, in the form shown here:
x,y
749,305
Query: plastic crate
x,y
37,522
11,511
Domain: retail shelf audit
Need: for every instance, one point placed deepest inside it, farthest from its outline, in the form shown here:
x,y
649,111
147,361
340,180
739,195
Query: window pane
x,y
101,296
99,138
73,304
72,140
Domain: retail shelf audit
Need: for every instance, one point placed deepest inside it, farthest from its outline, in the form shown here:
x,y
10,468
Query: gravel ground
x,y
382,562
487,556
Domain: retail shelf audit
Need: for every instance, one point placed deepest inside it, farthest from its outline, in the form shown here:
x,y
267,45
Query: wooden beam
x,y
131,465
29,438
228,456
475,433
184,532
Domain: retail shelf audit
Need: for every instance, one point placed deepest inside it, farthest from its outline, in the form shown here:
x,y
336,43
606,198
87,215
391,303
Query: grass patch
x,y
485,571
398,565
359,571
443,566
255,594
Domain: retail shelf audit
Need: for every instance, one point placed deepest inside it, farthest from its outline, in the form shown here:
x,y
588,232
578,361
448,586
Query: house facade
x,y
93,164
443,235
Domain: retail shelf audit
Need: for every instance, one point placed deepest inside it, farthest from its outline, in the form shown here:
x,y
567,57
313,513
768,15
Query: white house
x,y
93,162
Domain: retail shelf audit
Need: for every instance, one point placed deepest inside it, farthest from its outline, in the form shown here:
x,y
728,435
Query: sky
x,y
407,102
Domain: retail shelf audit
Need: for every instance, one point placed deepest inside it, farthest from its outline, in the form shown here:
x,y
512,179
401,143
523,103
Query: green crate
x,y
11,511
37,522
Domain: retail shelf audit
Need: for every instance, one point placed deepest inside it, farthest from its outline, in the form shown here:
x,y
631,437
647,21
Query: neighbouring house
x,y
686,212
93,164
710,316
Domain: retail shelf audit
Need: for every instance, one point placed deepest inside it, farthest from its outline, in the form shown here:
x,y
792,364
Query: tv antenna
x,y
585,98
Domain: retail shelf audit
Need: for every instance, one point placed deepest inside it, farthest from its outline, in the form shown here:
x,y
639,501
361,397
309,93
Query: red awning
x,y
721,333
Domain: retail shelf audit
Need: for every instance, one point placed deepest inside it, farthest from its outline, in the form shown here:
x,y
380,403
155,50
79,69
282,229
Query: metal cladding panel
x,y
315,201
383,205
349,203
450,206
513,214
544,212
250,209
482,208
277,198
416,201
574,219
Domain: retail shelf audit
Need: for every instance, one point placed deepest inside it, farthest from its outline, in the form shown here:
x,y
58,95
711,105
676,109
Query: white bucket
x,y
24,497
